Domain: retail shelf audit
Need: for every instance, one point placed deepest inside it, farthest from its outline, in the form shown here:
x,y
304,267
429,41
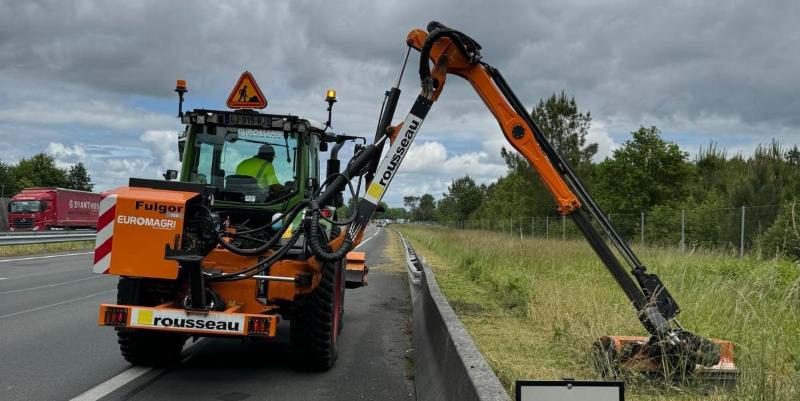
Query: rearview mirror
x,y
170,175
231,136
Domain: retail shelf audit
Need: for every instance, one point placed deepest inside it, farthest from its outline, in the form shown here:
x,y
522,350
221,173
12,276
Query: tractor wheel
x,y
316,322
144,347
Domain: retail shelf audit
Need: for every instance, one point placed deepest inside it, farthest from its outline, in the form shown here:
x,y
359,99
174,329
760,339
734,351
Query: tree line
x,y
40,170
646,174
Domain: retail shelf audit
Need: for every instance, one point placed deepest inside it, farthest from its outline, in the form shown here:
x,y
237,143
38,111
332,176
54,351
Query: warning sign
x,y
246,94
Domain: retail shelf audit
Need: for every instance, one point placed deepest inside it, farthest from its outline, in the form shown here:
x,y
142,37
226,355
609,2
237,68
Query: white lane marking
x,y
2,278
113,383
50,285
38,308
107,387
365,241
45,257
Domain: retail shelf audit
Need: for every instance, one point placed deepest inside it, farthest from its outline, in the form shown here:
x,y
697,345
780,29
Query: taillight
x,y
326,213
116,316
258,326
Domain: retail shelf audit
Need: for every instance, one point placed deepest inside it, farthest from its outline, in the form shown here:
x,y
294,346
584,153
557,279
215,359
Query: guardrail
x,y
46,237
447,364
413,262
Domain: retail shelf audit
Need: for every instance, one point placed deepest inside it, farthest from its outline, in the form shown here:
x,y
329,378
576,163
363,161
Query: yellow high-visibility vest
x,y
262,170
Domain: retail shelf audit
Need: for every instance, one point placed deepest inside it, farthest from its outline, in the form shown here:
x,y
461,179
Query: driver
x,y
260,167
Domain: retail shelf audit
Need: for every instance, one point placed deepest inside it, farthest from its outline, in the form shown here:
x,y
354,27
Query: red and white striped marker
x,y
105,231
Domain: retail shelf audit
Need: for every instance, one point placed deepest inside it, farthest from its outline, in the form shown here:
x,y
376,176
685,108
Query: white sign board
x,y
570,390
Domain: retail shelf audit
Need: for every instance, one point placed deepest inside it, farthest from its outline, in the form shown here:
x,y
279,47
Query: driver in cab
x,y
260,167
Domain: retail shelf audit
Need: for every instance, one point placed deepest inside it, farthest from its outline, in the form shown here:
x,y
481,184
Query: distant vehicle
x,y
381,223
48,208
401,221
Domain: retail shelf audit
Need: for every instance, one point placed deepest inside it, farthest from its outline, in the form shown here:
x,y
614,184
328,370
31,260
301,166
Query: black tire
x,y
143,347
316,322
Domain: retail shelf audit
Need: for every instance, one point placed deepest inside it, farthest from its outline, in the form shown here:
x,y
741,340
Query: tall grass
x,y
33,249
535,306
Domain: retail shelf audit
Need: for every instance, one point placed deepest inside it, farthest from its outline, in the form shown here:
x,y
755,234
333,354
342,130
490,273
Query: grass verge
x,y
535,306
33,249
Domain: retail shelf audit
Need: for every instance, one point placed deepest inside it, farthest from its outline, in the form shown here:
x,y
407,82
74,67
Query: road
x,y
52,349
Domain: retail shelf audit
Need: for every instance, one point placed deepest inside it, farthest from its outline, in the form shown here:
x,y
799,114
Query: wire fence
x,y
733,229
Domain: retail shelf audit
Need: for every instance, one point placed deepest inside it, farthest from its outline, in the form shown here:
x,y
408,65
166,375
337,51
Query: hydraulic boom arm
x,y
452,52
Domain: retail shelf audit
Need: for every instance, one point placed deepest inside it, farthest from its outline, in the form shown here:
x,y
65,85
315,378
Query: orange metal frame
x,y
447,59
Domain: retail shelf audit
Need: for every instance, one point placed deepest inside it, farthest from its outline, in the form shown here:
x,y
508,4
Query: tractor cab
x,y
258,164
255,161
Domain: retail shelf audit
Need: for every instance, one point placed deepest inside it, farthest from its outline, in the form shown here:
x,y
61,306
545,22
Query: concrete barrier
x,y
447,365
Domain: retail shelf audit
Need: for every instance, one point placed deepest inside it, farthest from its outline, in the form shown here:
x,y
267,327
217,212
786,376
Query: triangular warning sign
x,y
246,94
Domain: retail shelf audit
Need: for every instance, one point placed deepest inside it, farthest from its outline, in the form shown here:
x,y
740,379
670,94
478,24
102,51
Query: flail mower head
x,y
691,359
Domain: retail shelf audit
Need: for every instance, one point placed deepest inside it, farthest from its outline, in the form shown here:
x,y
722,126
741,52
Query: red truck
x,y
37,209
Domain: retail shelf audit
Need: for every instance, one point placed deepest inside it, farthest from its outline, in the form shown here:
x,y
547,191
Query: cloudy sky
x,y
93,81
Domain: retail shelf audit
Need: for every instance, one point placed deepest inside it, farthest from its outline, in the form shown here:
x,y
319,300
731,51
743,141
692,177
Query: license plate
x,y
234,119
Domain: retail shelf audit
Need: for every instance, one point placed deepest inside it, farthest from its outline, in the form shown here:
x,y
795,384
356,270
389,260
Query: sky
x,y
92,81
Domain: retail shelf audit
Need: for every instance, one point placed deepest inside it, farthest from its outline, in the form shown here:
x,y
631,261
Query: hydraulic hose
x,y
316,240
267,245
468,46
260,266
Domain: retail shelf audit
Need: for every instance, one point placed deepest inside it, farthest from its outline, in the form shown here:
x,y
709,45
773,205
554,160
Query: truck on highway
x,y
49,208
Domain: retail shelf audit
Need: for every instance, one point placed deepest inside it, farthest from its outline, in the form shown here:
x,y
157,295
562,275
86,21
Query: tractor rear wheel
x,y
144,347
316,322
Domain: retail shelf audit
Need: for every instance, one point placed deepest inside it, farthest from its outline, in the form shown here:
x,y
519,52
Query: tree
x,y
381,215
566,128
646,171
8,186
793,156
426,209
766,178
463,198
395,213
39,171
78,178
783,238
410,202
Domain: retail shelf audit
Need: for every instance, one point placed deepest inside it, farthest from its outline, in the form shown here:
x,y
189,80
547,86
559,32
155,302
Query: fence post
x,y
547,226
741,240
511,230
520,231
683,230
563,227
532,227
642,229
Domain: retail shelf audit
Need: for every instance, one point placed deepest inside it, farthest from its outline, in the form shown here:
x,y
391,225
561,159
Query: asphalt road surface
x,y
52,349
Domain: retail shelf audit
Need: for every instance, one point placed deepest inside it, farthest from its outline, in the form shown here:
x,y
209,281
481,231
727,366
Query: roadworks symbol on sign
x,y
246,94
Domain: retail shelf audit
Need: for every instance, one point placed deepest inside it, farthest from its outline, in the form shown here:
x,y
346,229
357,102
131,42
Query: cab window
x,y
256,165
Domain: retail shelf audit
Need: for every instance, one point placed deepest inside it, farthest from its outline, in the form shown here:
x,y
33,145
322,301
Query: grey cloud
x,y
727,58
712,68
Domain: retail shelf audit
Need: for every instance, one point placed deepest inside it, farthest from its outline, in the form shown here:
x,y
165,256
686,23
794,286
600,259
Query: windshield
x,y
25,206
246,165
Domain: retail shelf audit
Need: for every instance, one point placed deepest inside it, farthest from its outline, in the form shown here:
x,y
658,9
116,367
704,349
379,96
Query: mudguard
x,y
134,226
